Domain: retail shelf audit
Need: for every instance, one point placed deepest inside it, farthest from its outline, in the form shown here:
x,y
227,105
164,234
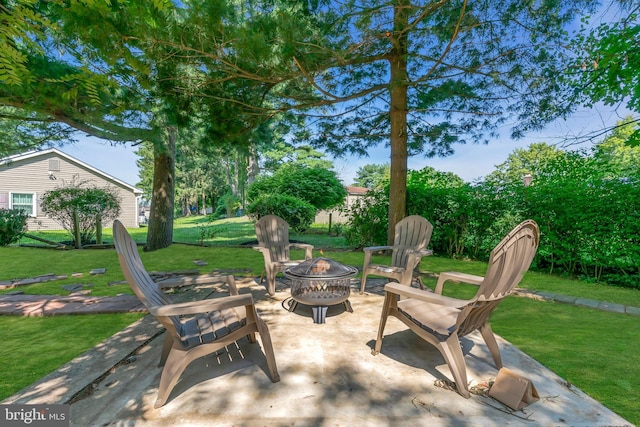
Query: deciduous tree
x,y
607,68
81,209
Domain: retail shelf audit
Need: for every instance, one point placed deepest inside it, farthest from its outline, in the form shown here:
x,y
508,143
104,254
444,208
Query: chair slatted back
x,y
411,233
508,263
273,233
137,277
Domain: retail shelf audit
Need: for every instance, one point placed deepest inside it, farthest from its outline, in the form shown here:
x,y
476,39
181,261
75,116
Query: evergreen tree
x,y
423,75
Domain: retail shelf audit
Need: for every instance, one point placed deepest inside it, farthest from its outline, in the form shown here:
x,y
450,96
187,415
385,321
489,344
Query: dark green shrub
x,y
298,213
441,198
368,219
228,205
13,224
337,229
318,186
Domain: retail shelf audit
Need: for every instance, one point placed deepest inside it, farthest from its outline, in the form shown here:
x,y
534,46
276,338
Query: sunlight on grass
x,y
595,350
52,342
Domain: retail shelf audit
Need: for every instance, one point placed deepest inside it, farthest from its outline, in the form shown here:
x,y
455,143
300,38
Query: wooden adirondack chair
x,y
442,321
412,235
273,242
193,329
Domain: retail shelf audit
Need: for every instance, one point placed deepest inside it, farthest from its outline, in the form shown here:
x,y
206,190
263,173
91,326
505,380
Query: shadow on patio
x,y
328,377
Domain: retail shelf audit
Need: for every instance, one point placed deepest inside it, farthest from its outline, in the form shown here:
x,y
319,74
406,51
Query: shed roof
x,y
356,190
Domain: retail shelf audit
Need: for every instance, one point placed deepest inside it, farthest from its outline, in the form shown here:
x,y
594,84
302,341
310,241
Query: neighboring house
x,y
335,215
25,177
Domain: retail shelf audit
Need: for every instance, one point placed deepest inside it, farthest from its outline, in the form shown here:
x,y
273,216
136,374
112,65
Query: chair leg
x,y
363,281
271,281
176,363
265,337
492,344
166,348
386,307
452,353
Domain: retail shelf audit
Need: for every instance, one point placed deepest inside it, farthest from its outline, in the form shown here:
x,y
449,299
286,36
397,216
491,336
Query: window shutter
x,y
4,201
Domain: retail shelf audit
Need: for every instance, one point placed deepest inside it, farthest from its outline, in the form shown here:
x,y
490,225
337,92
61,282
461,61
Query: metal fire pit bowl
x,y
320,282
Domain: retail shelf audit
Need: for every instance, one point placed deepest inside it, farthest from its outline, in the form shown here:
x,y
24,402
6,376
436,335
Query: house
x,y
336,215
25,177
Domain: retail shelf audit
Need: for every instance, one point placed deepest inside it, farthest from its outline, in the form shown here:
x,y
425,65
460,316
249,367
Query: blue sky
x,y
469,162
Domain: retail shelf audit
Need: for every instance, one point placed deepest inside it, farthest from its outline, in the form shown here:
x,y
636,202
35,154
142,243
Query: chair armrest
x,y
307,249
423,252
377,248
414,257
202,279
266,253
202,306
454,276
424,295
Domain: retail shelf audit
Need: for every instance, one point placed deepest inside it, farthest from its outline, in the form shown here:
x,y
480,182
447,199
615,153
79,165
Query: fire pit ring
x,y
320,282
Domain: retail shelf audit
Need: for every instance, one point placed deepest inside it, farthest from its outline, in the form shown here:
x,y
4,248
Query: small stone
x,y
200,263
76,274
73,288
98,271
120,282
129,359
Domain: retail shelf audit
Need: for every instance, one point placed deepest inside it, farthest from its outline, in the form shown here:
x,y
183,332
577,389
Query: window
x,y
24,201
54,165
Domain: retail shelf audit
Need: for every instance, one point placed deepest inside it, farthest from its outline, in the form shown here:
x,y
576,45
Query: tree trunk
x,y
236,176
160,230
232,176
253,169
398,117
252,165
98,229
76,230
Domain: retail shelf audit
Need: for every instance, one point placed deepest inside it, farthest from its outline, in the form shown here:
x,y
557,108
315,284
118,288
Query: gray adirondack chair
x,y
273,242
412,235
193,329
442,321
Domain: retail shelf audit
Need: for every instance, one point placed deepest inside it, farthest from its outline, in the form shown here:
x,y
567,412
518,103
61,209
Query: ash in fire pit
x,y
320,282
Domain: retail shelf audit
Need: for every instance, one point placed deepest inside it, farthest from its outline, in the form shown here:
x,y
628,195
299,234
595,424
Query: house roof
x,y
356,190
32,154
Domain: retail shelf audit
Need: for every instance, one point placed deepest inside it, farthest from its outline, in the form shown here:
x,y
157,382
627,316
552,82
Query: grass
x,y
594,350
32,347
540,281
222,232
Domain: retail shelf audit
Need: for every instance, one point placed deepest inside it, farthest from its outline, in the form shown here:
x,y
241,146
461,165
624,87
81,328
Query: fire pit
x,y
320,282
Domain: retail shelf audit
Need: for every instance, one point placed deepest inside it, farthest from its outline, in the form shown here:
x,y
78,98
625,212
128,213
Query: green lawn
x,y
226,232
594,350
32,347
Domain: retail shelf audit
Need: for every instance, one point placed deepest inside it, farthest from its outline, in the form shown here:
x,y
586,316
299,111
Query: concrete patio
x,y
328,377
